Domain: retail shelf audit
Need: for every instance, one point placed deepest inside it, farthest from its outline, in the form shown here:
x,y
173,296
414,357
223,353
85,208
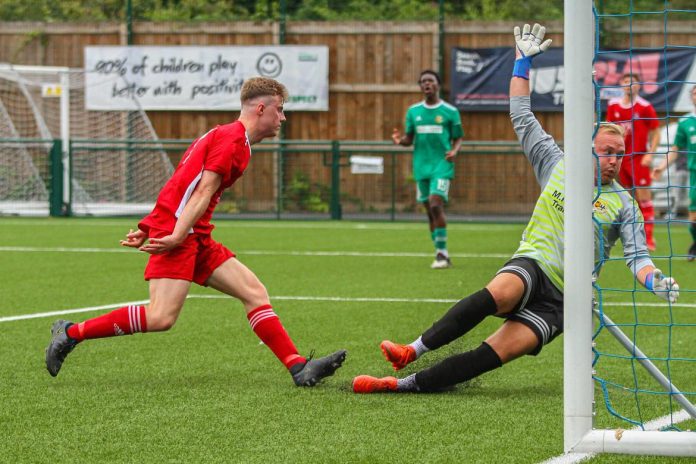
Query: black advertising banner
x,y
481,78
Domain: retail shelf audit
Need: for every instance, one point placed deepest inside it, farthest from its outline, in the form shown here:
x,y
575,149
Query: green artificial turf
x,y
207,391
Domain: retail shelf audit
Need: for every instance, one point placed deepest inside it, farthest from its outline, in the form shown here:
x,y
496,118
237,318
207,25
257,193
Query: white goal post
x,y
579,434
112,161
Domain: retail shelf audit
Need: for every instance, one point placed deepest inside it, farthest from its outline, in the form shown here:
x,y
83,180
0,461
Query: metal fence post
x,y
393,186
56,193
129,22
280,167
441,38
335,180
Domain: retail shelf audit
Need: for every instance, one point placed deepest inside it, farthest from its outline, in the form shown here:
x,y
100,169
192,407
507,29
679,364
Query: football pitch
x,y
207,391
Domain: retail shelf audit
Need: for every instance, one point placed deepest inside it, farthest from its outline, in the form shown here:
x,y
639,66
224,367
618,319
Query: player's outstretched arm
x,y
528,44
661,285
539,147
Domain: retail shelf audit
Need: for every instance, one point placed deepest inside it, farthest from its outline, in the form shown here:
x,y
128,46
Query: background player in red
x,y
177,236
639,120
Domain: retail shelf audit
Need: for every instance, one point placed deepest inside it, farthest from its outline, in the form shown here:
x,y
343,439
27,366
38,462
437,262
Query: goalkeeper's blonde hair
x,y
610,128
262,87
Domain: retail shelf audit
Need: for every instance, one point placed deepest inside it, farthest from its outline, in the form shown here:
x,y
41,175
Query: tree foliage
x,y
321,10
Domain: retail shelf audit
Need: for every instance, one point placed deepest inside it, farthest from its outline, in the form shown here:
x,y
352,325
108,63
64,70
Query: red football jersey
x,y
225,150
637,120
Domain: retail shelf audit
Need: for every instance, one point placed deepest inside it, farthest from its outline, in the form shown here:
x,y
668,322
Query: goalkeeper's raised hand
x,y
528,44
663,286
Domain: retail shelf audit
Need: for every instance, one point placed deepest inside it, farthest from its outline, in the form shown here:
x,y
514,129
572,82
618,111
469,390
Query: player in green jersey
x,y
527,292
685,142
434,127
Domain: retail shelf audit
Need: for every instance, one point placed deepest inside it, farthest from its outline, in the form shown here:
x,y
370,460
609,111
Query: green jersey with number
x,y
685,140
433,128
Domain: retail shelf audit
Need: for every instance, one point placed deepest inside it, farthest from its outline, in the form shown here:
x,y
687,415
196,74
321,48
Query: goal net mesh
x,y
114,164
644,43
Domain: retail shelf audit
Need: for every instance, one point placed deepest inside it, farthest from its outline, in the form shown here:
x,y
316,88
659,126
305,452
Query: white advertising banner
x,y
201,77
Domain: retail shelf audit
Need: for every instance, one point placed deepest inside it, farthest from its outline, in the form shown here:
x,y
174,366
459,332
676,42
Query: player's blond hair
x,y
262,87
610,128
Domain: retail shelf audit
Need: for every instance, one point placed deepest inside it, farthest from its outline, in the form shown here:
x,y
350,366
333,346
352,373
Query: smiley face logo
x,y
269,65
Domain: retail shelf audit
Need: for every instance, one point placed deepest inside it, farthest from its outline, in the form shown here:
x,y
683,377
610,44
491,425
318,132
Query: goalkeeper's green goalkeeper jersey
x,y
433,128
616,214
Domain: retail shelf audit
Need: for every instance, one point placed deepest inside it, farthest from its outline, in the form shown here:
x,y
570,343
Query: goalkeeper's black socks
x,y
458,368
461,318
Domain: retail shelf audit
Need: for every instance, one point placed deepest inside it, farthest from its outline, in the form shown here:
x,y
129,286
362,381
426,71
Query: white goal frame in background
x,y
63,90
96,146
579,434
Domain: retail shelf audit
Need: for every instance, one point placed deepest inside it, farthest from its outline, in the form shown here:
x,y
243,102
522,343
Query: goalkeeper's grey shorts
x,y
541,306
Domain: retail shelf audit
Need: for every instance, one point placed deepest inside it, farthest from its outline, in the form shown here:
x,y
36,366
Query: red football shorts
x,y
633,173
194,260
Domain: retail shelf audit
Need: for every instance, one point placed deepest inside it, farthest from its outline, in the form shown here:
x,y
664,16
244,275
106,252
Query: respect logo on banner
x,y
201,78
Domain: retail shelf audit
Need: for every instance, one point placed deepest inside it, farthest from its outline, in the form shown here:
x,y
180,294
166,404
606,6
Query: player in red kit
x,y
639,120
176,234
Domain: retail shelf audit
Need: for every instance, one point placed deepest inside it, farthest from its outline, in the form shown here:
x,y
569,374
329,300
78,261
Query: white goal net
x,y
112,163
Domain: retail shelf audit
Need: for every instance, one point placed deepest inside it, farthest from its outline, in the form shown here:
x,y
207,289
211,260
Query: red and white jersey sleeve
x,y
637,120
224,150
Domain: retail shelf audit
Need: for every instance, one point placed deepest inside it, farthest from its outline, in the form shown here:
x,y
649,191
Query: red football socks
x,y
648,210
265,323
122,321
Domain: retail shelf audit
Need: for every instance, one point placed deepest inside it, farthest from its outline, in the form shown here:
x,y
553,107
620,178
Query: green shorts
x,y
427,187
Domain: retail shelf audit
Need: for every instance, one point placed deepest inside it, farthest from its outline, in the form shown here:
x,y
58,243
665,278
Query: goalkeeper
x,y
527,293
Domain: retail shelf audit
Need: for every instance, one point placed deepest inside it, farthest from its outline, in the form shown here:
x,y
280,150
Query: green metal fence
x,y
285,180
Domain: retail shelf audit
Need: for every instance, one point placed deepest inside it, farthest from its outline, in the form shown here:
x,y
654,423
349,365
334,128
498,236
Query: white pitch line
x,y
70,311
265,224
629,304
419,300
655,424
256,252
342,299
64,249
370,254
570,458
279,298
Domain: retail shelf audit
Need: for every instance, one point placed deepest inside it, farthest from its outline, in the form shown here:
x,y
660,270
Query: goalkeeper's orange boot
x,y
399,355
369,384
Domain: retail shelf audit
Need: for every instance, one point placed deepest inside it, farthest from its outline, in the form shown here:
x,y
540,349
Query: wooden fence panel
x,y
373,69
